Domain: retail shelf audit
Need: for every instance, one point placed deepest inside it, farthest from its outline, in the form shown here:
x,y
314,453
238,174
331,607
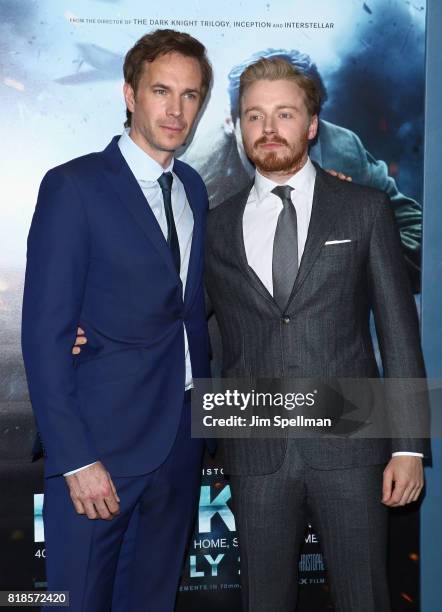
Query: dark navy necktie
x,y
165,182
285,248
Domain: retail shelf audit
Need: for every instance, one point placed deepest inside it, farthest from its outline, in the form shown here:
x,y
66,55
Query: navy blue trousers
x,y
134,561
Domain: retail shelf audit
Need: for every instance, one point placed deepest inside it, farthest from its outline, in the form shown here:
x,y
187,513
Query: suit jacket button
x,y
286,319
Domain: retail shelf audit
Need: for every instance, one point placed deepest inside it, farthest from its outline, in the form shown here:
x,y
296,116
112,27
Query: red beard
x,y
272,161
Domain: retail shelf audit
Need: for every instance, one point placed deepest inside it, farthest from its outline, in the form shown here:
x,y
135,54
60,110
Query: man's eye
x,y
191,96
285,115
160,92
253,117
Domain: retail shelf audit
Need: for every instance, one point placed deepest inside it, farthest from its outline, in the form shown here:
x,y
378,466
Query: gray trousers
x,y
271,513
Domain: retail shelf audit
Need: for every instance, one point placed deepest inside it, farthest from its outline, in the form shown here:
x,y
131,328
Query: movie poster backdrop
x,y
61,97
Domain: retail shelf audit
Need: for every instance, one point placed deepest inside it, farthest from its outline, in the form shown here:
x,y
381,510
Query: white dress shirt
x,y
147,172
261,216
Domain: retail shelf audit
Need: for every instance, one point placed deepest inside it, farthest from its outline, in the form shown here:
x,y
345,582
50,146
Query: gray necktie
x,y
285,248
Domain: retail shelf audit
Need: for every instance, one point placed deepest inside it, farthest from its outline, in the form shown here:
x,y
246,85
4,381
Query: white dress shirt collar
x,y
303,181
142,165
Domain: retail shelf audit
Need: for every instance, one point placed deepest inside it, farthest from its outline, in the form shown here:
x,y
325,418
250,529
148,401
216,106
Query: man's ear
x,y
313,127
129,96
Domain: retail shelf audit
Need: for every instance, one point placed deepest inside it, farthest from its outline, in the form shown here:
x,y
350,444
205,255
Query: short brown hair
x,y
160,42
275,69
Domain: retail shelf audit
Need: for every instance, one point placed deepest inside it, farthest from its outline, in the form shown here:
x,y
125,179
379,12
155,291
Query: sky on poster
x,y
61,79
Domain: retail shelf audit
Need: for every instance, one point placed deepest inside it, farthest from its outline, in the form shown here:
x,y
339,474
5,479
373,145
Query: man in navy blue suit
x,y
116,246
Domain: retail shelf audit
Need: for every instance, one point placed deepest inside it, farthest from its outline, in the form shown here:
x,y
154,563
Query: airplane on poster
x,y
104,65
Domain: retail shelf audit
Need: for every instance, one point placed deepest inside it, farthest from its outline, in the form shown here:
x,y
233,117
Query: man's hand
x,y
403,480
79,340
340,175
93,493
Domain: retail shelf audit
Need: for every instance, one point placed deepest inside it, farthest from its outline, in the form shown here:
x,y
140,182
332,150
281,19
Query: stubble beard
x,y
156,142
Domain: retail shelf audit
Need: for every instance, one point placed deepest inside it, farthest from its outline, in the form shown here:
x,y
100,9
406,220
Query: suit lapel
x,y
239,251
130,194
196,249
322,221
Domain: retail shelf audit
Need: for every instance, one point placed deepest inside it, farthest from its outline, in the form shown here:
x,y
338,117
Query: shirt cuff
x,y
79,469
406,454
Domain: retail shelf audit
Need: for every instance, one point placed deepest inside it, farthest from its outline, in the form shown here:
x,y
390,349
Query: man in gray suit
x,y
294,264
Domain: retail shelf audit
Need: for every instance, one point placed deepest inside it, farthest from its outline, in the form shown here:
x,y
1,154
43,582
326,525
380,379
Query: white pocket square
x,y
337,241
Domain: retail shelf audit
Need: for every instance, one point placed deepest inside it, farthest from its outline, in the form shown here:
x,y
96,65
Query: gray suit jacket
x,y
324,331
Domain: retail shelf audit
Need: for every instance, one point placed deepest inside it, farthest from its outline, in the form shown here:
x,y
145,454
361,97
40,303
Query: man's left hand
x,y
340,175
403,480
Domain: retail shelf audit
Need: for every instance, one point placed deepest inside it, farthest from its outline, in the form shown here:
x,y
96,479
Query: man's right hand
x,y
93,493
79,340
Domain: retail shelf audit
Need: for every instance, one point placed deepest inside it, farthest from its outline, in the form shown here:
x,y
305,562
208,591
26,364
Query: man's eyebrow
x,y
279,107
161,85
167,88
252,108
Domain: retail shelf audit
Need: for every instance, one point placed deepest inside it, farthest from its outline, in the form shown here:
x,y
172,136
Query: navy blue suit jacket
x,y
97,258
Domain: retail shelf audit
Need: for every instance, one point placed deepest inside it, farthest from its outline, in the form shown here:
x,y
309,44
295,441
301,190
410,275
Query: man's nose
x,y
175,107
268,126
